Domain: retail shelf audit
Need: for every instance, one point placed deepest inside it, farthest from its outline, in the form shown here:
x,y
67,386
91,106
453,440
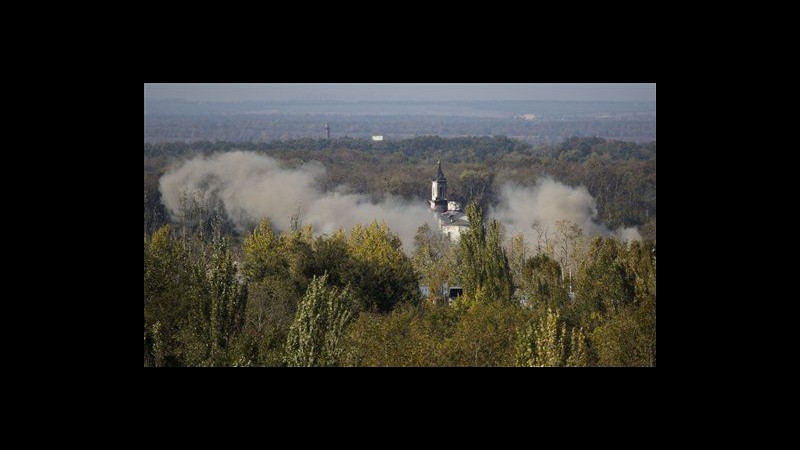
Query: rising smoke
x,y
547,202
249,187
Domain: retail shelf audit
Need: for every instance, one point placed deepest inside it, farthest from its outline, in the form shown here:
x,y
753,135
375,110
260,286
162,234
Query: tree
x,y
485,271
475,185
542,236
393,340
217,311
604,283
627,339
169,286
541,282
468,334
271,308
435,259
315,337
567,234
546,343
543,344
261,257
485,334
498,273
381,273
578,356
517,255
278,269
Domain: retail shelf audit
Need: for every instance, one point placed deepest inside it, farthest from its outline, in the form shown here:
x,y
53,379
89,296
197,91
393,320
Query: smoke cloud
x,y
548,202
250,187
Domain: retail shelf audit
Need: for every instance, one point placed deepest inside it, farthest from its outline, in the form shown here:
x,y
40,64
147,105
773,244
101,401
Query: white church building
x,y
452,220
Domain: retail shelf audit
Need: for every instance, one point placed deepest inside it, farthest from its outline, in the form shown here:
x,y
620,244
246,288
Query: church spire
x,y
439,173
438,199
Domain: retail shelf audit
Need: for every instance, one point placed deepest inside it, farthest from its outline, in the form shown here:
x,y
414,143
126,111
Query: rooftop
x,y
457,218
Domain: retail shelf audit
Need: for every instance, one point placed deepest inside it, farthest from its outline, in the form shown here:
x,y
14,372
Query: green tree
x,y
578,354
546,343
640,262
484,335
470,334
331,255
217,311
485,271
627,338
388,340
381,273
604,284
169,286
315,337
517,255
271,307
261,256
548,348
435,259
278,269
541,282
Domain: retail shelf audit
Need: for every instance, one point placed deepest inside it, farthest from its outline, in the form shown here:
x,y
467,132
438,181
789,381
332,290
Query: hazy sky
x,y
224,92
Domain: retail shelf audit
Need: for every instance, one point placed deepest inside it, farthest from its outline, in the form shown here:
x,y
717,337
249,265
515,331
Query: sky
x,y
231,92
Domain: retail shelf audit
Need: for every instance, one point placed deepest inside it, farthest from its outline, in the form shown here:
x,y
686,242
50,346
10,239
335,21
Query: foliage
x,y
315,336
217,311
382,274
435,260
194,302
541,282
213,297
168,290
480,334
627,339
486,274
485,335
201,311
546,343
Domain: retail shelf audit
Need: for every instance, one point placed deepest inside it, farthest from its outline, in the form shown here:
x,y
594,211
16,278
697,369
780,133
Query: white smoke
x,y
547,202
251,186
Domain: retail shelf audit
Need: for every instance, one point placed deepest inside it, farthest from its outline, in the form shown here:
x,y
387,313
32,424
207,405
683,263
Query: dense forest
x,y
218,296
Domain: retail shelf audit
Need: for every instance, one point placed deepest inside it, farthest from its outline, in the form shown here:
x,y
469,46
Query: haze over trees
x,y
215,295
536,122
621,176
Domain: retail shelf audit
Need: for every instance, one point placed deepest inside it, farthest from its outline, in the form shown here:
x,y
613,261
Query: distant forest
x,y
536,122
264,128
215,296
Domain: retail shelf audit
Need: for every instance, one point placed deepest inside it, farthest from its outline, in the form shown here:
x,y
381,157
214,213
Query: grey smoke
x,y
249,187
548,202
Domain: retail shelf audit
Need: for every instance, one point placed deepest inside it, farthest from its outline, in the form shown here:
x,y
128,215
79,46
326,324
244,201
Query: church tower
x,y
438,199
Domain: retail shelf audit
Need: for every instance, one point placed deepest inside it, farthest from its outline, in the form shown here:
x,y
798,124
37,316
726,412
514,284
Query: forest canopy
x,y
264,295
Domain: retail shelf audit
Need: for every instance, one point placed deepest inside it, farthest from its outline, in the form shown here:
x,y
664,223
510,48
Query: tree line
x,y
284,127
353,299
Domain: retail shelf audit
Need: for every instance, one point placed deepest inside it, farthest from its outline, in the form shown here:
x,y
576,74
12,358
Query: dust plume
x,y
547,202
249,187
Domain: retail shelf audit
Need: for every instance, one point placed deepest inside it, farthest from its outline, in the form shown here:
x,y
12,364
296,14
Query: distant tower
x,y
438,199
327,131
